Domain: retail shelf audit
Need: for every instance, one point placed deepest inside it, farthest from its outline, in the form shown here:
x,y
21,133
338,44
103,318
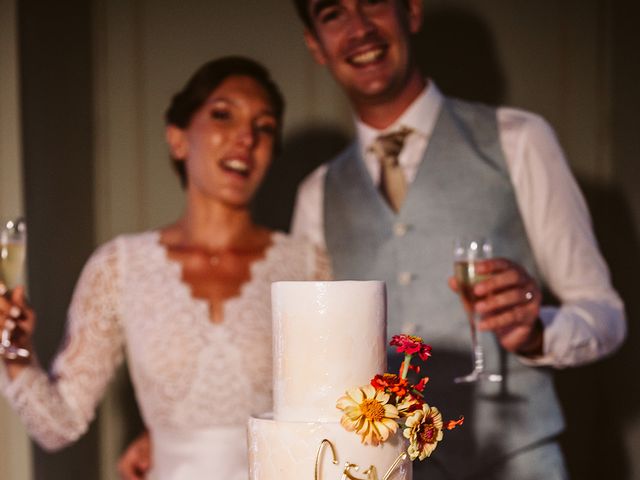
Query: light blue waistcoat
x,y
462,188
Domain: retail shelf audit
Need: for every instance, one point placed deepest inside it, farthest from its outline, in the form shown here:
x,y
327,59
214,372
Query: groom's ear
x,y
315,47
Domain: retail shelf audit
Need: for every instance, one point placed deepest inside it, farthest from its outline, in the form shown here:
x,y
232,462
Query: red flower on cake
x,y
410,345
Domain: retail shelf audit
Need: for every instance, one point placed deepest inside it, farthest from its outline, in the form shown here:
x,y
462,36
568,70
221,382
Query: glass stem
x,y
478,354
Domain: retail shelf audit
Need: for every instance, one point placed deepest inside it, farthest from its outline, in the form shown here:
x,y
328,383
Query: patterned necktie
x,y
393,184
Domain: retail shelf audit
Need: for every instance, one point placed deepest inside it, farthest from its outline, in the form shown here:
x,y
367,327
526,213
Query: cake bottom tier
x,y
290,450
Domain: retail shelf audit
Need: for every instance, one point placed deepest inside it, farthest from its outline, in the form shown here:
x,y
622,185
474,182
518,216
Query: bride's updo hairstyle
x,y
204,81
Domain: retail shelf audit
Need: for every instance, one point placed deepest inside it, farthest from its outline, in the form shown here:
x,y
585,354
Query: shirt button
x,y
404,278
400,229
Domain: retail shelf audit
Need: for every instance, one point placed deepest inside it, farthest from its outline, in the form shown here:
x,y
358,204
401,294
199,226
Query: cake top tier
x,y
328,337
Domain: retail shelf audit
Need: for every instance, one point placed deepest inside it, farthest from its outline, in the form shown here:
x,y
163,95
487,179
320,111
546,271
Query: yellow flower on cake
x,y
368,413
424,430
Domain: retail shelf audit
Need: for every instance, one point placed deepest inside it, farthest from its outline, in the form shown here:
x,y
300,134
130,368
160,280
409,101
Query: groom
x,y
424,169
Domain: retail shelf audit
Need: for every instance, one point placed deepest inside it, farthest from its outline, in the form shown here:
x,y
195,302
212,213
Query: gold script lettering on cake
x,y
347,474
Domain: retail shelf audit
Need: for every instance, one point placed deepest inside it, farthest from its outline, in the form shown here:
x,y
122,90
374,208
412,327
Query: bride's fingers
x,y
4,297
8,310
18,295
453,284
8,300
15,311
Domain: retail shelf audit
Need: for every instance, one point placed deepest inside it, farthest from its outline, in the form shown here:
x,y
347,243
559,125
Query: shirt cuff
x,y
547,315
579,332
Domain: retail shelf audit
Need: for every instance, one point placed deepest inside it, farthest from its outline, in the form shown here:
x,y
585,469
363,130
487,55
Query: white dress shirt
x,y
590,322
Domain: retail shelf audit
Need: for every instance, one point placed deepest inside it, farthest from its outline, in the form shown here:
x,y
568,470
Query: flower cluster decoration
x,y
392,401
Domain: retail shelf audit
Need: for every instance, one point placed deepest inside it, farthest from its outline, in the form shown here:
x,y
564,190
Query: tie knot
x,y
388,146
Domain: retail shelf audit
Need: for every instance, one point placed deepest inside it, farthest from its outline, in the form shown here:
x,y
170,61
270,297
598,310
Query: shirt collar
x,y
420,116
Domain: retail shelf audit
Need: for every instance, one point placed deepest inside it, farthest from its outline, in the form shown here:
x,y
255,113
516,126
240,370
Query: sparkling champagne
x,y
12,255
466,276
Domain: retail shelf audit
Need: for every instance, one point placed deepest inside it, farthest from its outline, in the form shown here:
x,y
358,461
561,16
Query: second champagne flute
x,y
467,252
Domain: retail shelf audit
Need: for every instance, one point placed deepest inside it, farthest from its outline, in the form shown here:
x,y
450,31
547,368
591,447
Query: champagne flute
x,y
13,244
468,251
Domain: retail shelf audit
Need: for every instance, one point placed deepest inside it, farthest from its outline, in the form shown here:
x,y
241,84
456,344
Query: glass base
x,y
479,375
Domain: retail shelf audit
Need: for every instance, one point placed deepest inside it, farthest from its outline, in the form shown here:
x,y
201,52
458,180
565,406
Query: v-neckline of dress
x,y
204,306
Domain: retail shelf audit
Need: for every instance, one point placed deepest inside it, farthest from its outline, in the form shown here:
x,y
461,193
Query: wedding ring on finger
x,y
528,296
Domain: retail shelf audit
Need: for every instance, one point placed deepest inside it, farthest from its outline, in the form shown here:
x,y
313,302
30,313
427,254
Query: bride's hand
x,y
15,312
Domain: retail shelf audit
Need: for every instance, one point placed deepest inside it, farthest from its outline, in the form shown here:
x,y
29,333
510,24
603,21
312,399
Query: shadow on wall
x,y
303,151
604,397
457,50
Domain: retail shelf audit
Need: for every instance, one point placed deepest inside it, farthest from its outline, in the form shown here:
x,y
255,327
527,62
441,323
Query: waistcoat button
x,y
400,229
404,278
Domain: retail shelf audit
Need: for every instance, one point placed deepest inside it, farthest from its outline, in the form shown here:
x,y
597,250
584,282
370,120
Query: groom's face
x,y
365,44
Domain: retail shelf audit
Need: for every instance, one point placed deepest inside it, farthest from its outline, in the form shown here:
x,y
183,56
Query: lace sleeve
x,y
57,408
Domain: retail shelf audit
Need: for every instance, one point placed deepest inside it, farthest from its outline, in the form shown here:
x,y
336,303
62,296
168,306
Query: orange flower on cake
x,y
368,413
392,384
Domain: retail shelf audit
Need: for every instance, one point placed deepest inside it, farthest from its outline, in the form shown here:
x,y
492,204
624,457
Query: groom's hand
x,y
509,303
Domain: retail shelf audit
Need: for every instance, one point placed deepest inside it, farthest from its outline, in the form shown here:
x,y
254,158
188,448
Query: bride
x,y
188,304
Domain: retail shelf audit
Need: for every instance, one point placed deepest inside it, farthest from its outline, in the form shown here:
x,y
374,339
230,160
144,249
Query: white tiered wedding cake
x,y
328,338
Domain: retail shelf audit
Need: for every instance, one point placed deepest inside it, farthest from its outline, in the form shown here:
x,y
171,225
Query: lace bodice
x,y
187,371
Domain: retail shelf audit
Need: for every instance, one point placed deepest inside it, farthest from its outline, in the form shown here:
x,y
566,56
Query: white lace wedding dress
x,y
196,381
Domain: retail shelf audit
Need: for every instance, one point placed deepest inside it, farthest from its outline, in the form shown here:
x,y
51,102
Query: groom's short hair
x,y
302,7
